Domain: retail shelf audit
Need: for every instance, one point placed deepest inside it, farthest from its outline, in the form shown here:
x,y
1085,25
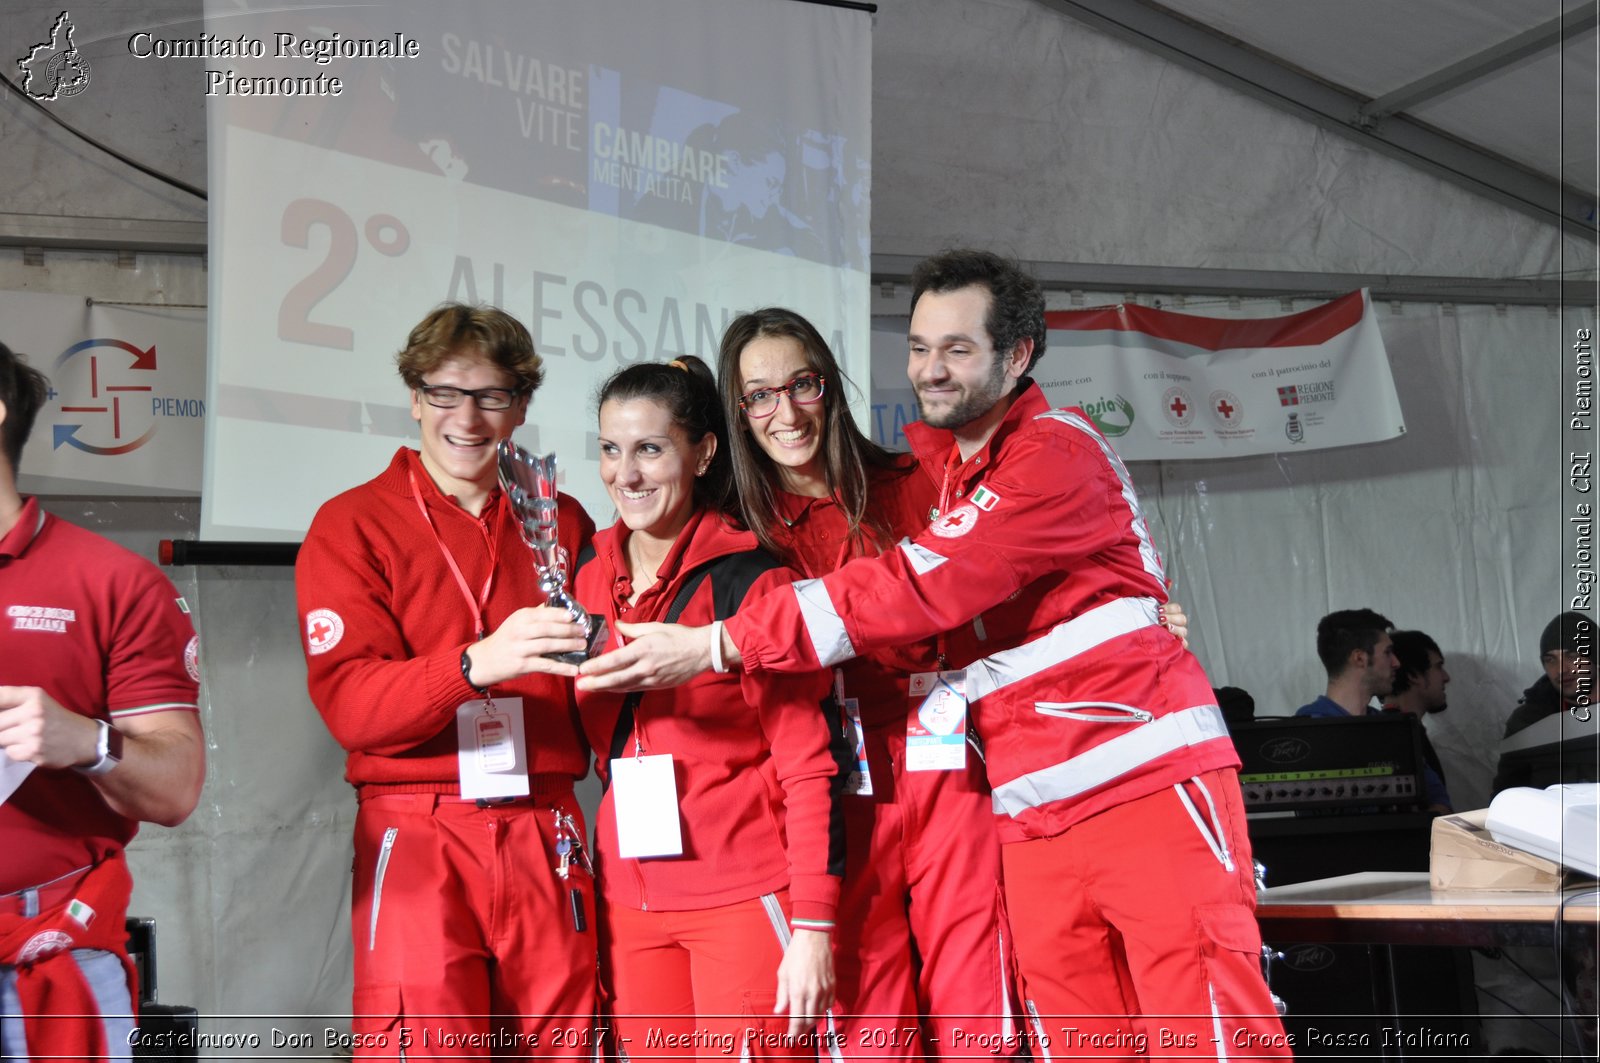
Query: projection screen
x,y
623,176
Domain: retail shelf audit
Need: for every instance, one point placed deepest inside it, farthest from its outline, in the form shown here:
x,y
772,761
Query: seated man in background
x,y
1356,649
99,676
1419,685
1566,650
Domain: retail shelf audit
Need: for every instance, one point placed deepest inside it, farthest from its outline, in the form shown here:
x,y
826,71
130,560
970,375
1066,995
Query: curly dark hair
x,y
1411,649
1016,306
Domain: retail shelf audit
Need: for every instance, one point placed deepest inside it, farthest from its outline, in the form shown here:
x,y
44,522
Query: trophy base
x,y
596,639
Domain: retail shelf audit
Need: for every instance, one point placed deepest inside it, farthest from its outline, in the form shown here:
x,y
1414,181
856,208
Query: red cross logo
x,y
1225,409
324,629
957,522
1178,406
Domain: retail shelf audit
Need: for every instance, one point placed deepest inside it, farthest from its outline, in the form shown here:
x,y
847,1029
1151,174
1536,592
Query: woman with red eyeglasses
x,y
922,950
921,946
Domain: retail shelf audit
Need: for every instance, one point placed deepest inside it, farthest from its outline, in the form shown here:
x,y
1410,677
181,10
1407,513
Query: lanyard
x,y
952,464
478,604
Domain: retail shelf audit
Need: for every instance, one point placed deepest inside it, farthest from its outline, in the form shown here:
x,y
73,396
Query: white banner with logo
x,y
1164,386
125,413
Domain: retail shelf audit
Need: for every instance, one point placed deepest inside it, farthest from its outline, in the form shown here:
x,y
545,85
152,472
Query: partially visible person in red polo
x,y
99,676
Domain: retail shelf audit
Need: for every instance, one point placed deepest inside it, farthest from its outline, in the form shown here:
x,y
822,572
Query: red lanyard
x,y
478,604
952,464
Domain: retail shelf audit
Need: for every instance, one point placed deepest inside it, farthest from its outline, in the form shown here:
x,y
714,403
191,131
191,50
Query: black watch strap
x,y
466,674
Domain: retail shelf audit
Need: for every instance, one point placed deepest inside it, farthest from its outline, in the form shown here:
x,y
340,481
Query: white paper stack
x,y
1561,823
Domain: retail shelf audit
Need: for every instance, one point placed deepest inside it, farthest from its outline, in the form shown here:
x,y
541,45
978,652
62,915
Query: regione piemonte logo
x,y
55,69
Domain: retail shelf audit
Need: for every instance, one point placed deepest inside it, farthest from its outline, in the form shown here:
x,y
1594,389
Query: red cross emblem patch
x,y
956,523
324,629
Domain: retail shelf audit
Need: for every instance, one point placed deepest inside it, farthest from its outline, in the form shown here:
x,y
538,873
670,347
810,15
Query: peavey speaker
x,y
1368,763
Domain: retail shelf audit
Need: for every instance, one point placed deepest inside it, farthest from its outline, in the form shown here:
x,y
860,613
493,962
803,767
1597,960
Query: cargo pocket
x,y
1242,1017
762,1035
375,1022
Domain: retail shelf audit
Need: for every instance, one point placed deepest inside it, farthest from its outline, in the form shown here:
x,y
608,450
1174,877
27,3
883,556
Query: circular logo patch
x,y
956,523
1178,407
1226,409
42,944
324,629
191,658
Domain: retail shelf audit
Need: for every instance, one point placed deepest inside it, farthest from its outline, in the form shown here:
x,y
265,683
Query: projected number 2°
x,y
386,234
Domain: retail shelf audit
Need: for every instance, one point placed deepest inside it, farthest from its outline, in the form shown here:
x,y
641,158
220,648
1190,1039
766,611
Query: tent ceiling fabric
x,y
1372,47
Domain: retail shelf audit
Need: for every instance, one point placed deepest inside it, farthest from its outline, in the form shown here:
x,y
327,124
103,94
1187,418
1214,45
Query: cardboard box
x,y
1464,856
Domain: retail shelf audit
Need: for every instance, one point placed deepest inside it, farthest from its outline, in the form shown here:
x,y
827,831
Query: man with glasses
x,y
471,915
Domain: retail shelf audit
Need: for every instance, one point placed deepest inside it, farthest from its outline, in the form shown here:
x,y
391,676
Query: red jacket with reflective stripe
x,y
1046,584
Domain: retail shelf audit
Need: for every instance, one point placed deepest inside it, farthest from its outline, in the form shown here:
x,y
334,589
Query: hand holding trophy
x,y
529,481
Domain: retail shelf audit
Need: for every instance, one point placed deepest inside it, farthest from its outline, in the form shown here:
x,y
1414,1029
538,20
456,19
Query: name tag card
x,y
644,794
936,728
858,781
490,749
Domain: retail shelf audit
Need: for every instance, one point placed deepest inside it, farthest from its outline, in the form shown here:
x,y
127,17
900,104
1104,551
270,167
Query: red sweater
x,y
383,624
751,752
816,534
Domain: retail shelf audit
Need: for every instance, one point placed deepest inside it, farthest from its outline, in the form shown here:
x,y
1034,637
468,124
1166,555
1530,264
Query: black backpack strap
x,y
619,737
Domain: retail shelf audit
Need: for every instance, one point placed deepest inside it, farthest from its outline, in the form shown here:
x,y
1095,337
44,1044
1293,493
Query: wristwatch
x,y
108,751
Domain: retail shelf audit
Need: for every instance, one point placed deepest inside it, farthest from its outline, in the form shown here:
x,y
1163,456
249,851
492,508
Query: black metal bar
x,y
209,552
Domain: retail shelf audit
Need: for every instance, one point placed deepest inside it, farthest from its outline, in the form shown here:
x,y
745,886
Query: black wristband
x,y
466,673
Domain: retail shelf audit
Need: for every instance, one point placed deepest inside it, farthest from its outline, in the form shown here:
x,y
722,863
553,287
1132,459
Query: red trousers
x,y
922,883
464,935
1136,932
698,984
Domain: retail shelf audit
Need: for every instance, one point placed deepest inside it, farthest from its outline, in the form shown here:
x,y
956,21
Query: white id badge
x,y
644,794
858,781
936,727
489,745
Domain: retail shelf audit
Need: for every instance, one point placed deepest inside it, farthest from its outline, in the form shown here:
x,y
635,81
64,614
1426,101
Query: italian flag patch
x,y
985,499
80,913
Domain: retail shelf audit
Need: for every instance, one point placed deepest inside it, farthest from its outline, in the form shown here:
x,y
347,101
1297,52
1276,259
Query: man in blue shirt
x,y
1356,649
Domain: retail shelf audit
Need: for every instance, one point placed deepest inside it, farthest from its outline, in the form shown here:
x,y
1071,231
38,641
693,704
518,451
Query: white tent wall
x,y
1454,528
998,123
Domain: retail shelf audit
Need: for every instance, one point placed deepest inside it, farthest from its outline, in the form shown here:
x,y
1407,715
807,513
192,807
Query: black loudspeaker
x,y
166,1031
1360,1002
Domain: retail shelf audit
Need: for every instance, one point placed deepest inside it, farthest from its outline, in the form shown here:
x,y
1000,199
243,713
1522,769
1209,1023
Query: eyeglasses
x,y
802,391
448,398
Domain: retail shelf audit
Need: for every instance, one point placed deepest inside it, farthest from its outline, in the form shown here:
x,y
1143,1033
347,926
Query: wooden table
x,y
1383,909
1399,908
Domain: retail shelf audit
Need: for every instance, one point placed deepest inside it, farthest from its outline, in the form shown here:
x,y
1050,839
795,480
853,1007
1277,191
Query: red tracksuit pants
x,y
921,931
698,984
465,941
1136,932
